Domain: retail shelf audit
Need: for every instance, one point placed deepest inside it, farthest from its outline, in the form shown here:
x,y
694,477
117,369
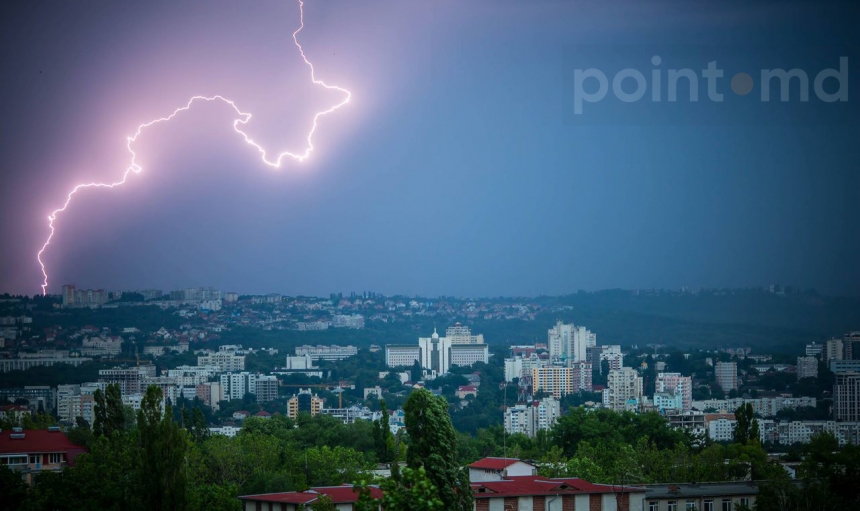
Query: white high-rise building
x,y
532,417
236,385
568,343
513,368
623,389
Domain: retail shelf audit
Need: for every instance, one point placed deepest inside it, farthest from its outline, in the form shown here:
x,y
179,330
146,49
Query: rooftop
x,y
38,441
536,485
661,491
495,463
344,494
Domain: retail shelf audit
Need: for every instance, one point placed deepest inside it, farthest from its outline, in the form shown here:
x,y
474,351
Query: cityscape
x,y
494,255
236,366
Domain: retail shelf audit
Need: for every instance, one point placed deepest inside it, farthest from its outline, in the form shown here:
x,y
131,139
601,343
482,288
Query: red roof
x,y
39,441
344,494
536,485
494,463
468,388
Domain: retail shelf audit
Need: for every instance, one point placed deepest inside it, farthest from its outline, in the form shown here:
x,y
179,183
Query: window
x,y
672,506
708,505
56,458
34,459
727,505
745,501
17,460
653,506
690,506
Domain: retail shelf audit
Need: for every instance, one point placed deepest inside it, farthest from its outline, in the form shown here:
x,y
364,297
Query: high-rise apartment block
x,y
623,389
560,380
833,350
73,297
569,342
267,388
532,417
727,375
807,367
846,397
676,385
304,402
851,346
611,353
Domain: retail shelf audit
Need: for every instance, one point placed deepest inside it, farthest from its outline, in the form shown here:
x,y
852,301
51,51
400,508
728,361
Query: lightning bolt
x,y
241,121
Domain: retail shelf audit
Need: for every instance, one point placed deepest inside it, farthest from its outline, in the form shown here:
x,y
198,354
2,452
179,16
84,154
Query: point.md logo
x,y
721,89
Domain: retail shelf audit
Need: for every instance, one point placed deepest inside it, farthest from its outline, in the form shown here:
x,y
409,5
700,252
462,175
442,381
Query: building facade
x,y
846,397
727,375
623,389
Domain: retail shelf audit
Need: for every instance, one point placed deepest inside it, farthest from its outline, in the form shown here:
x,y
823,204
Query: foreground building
x,y
343,497
558,494
700,496
34,451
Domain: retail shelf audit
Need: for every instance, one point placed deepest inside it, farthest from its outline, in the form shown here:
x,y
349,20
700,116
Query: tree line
x,y
163,459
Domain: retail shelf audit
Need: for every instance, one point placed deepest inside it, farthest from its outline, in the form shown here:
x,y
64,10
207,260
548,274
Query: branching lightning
x,y
241,121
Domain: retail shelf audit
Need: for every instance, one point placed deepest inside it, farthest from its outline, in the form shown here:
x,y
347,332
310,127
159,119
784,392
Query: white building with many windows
x,y
623,389
529,418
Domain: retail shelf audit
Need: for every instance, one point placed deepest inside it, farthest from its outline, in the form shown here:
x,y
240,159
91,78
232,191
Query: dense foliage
x,y
158,459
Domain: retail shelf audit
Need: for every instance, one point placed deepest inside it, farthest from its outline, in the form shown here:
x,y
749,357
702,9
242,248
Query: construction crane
x,y
339,386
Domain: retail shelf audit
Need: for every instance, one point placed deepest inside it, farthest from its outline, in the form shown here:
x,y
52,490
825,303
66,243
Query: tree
x,y
382,438
323,503
416,373
163,445
110,415
746,428
14,488
411,491
434,448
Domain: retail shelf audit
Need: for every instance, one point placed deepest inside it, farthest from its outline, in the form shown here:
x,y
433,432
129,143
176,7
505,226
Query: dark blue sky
x,y
456,170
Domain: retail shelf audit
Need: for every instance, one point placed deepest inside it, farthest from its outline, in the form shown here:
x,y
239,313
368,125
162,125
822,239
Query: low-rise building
x,y
534,492
33,451
498,469
700,496
342,497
